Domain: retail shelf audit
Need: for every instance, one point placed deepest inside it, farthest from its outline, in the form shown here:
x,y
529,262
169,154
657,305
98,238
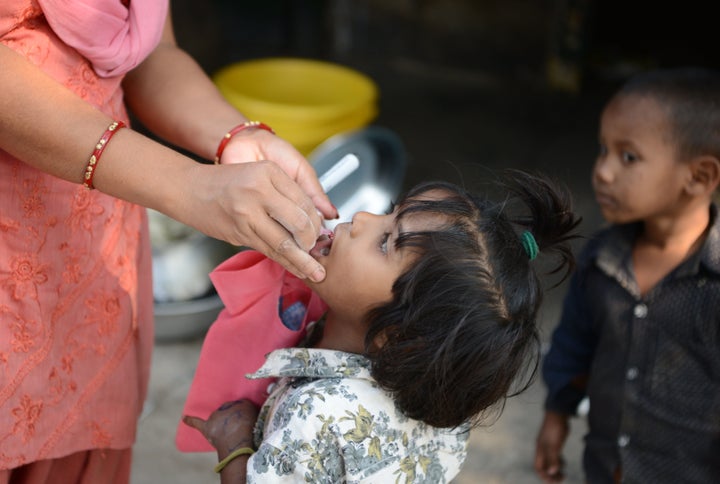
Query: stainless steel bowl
x,y
185,320
377,181
185,302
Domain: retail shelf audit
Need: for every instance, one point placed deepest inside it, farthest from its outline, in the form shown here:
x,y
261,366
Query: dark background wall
x,y
468,83
515,38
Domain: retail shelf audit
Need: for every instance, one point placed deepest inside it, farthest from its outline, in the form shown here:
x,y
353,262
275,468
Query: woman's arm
x,y
176,100
42,122
253,204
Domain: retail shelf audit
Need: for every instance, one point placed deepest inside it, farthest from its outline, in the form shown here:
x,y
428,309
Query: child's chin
x,y
613,217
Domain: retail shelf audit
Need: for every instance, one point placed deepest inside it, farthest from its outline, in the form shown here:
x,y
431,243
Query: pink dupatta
x,y
113,37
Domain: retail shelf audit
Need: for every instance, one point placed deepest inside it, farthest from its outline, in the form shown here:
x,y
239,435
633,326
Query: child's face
x,y
362,262
636,175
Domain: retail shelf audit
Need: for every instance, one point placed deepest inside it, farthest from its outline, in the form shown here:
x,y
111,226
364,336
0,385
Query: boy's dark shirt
x,y
653,363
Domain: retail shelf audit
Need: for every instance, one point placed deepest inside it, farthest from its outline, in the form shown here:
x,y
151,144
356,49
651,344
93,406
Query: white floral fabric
x,y
327,421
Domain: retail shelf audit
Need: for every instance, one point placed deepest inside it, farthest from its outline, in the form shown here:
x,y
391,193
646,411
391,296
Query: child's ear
x,y
705,175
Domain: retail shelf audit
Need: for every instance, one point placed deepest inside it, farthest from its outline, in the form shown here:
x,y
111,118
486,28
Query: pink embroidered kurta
x,y
76,303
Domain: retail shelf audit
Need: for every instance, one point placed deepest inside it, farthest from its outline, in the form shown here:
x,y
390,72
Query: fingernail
x,y
318,275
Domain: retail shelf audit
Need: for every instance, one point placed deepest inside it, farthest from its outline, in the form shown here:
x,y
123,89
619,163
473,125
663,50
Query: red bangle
x,y
236,130
98,151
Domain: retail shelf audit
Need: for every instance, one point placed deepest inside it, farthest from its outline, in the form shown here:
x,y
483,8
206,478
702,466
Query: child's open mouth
x,y
323,244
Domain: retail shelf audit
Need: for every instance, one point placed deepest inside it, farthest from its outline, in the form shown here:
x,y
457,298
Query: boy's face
x,y
637,175
362,262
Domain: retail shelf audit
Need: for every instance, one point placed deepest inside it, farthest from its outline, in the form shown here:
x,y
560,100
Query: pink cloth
x,y
76,300
113,37
247,329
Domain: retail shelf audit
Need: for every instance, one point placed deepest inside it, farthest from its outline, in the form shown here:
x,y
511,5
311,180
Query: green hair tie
x,y
529,244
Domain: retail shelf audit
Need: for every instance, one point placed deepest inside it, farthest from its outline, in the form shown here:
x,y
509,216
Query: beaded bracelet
x,y
237,452
98,151
236,130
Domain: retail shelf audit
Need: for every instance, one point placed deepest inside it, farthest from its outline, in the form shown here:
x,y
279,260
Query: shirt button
x,y
632,373
623,440
640,311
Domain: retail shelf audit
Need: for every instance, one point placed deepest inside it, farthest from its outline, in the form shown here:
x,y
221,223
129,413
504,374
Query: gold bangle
x,y
241,451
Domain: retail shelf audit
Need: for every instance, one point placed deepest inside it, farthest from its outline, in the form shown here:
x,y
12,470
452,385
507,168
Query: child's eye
x,y
383,242
602,150
628,157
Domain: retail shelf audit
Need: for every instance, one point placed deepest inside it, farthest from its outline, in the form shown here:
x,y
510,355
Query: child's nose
x,y
602,171
363,217
363,220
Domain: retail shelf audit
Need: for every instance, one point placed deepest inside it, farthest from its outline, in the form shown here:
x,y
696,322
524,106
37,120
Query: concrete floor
x,y
456,125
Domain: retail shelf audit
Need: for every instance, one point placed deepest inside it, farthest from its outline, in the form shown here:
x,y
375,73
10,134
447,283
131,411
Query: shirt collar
x,y
710,253
313,363
613,254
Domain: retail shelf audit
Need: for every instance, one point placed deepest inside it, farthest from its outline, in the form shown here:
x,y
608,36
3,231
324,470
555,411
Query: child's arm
x,y
565,370
566,366
548,451
230,430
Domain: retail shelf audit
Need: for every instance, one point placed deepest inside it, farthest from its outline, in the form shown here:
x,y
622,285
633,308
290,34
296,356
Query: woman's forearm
x,y
271,206
42,122
175,99
49,127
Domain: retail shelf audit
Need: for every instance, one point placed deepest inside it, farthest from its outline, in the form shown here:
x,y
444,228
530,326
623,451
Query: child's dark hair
x,y
461,326
691,98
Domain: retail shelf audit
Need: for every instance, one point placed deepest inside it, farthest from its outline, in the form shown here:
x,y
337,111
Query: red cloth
x,y
250,285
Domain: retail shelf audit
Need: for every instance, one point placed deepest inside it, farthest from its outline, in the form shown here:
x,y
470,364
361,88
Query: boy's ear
x,y
705,175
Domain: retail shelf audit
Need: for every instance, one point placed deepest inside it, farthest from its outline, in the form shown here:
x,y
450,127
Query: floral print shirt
x,y
327,420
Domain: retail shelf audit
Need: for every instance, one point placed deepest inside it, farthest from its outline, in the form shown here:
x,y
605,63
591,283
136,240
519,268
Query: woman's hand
x,y
255,205
270,214
257,144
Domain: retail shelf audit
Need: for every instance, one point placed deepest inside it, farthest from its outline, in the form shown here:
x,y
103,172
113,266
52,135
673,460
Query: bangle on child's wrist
x,y
236,453
240,127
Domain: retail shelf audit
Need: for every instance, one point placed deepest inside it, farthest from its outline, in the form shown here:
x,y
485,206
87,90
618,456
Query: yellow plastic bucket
x,y
305,101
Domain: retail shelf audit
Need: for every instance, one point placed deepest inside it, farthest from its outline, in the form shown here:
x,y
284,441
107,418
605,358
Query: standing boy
x,y
640,329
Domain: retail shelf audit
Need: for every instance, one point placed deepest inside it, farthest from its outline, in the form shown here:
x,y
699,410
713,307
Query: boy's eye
x,y
602,150
628,157
383,242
